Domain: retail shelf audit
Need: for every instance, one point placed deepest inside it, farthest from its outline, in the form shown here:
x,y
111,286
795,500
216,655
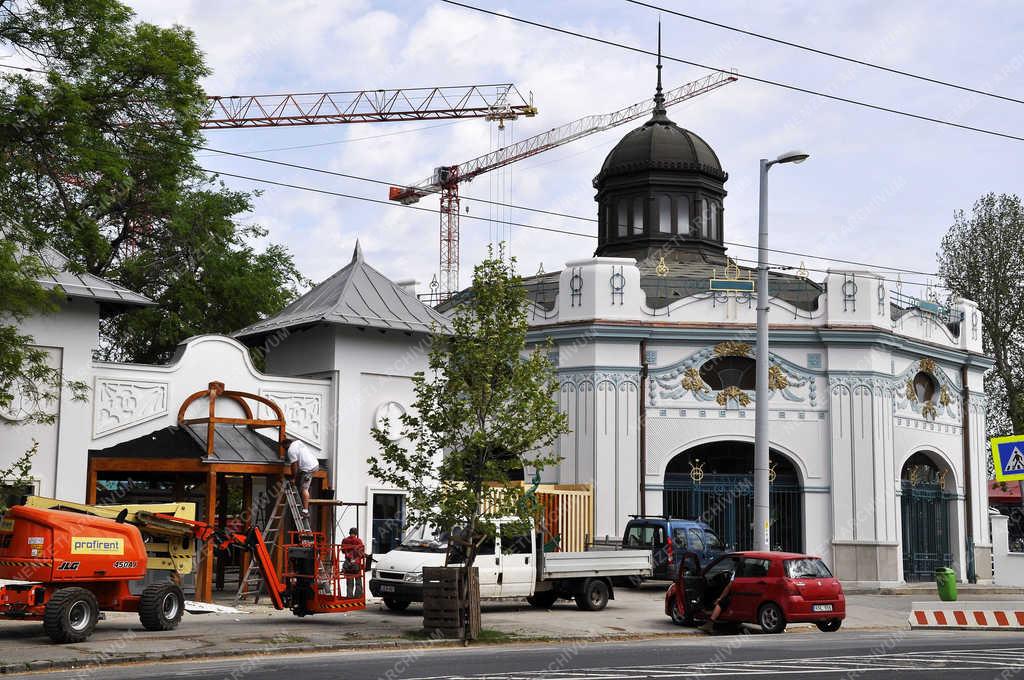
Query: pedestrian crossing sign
x,y
1008,456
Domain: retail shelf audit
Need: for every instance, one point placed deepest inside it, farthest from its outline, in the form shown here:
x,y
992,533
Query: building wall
x,y
69,336
843,418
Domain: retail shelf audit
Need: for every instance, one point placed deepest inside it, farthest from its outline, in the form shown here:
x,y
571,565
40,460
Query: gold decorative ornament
x,y
771,473
693,382
927,365
928,410
942,478
944,397
732,392
911,392
732,348
662,268
777,379
697,472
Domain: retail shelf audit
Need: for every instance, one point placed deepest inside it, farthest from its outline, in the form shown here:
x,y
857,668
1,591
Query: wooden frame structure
x,y
215,472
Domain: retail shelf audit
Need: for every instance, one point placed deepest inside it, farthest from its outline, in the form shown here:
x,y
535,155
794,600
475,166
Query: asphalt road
x,y
902,654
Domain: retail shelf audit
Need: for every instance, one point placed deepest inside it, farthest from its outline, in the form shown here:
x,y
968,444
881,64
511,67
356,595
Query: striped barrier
x,y
968,615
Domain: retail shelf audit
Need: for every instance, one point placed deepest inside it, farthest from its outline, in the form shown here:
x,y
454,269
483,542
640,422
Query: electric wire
x,y
553,213
756,79
833,55
566,232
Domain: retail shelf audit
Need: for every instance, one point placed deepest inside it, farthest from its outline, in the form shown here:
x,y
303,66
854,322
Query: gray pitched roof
x,y
357,295
85,285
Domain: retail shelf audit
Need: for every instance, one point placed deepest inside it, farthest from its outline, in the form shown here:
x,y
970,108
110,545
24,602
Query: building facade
x,y
877,408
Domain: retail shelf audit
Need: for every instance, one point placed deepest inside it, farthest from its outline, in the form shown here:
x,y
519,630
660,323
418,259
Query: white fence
x,y
1008,566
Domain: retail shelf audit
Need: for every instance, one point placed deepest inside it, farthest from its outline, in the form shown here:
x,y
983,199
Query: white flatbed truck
x,y
511,566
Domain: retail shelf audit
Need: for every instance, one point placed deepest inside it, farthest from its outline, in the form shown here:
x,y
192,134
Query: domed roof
x,y
660,144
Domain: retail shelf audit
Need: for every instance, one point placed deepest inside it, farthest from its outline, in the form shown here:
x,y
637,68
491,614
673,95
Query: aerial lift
x,y
70,562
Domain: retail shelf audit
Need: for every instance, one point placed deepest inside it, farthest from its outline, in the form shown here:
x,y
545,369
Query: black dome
x,y
660,144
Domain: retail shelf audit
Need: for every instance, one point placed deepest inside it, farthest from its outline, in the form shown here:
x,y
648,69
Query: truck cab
x,y
668,539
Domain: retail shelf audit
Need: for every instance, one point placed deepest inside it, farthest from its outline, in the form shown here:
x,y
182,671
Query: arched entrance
x,y
714,482
926,505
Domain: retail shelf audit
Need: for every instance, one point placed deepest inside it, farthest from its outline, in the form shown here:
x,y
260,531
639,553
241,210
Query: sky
x,y
878,188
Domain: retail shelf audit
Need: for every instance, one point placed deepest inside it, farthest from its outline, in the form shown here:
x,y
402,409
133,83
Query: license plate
x,y
821,608
391,589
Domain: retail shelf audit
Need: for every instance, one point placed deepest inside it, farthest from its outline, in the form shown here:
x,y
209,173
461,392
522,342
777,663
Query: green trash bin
x,y
945,579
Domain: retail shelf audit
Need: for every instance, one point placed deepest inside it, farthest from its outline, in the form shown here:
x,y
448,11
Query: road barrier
x,y
968,615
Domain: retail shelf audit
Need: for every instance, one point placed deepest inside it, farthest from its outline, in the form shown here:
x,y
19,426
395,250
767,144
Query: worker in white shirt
x,y
304,464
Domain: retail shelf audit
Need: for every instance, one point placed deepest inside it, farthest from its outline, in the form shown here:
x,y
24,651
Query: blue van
x,y
669,539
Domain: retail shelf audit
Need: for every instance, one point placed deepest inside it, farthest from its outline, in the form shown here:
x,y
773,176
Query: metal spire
x,y
659,98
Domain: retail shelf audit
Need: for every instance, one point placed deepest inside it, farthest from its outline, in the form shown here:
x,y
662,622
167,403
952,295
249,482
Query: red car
x,y
771,589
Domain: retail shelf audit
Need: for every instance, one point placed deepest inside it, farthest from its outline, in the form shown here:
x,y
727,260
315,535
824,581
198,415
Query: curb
x,y
967,615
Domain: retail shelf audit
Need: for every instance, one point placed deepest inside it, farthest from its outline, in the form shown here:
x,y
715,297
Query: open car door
x,y
691,583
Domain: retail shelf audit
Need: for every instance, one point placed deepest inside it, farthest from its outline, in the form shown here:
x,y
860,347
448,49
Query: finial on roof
x,y
659,97
357,254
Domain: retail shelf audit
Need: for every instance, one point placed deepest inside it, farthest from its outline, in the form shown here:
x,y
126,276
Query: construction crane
x,y
446,179
498,102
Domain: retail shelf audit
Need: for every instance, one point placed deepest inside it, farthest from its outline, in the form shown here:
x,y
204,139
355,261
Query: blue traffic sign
x,y
1008,457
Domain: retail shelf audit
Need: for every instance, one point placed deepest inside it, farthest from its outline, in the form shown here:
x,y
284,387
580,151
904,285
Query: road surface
x,y
904,654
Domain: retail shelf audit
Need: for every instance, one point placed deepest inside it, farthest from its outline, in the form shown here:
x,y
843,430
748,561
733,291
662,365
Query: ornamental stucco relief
x,y
302,412
122,403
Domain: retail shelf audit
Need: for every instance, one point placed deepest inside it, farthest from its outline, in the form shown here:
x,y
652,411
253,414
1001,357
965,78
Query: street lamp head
x,y
793,157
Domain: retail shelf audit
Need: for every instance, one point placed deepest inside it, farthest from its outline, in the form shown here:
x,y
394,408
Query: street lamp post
x,y
761,512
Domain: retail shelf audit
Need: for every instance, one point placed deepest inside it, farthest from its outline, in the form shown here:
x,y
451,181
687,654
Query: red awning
x,y
1011,494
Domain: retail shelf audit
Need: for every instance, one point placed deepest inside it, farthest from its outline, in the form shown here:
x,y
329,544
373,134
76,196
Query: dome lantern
x,y
661,185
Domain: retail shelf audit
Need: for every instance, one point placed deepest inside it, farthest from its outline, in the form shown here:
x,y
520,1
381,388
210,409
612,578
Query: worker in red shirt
x,y
355,553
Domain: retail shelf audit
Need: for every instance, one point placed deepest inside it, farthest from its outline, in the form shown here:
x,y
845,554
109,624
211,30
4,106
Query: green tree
x,y
981,259
483,413
97,160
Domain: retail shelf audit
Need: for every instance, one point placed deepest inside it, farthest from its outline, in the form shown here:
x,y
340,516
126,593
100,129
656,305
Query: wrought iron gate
x,y
726,502
926,539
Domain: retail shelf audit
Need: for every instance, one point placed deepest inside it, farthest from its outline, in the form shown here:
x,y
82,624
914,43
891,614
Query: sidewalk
x,y
120,638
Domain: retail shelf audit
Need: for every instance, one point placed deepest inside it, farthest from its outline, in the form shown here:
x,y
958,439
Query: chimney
x,y
408,285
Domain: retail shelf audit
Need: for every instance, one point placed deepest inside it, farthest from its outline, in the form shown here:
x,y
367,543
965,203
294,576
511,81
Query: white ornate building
x,y
877,409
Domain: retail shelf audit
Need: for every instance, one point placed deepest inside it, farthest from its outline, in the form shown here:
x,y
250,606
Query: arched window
x,y
623,216
664,214
713,220
638,215
924,387
682,225
723,372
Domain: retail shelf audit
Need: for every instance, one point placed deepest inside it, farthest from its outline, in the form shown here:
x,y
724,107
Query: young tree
x,y
97,156
483,413
16,480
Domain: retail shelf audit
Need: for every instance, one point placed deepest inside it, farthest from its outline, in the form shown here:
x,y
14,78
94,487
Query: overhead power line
x,y
766,81
553,213
566,232
833,55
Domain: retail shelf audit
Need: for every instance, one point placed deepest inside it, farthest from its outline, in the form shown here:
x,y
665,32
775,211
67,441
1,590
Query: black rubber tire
x,y
71,615
829,625
771,619
161,606
544,600
594,596
396,605
680,618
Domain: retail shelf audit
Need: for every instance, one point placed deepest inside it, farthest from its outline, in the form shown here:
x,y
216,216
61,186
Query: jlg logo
x,y
68,566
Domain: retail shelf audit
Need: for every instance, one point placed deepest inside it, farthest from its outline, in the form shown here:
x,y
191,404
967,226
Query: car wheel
x,y
771,618
543,600
680,618
396,605
594,596
829,626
